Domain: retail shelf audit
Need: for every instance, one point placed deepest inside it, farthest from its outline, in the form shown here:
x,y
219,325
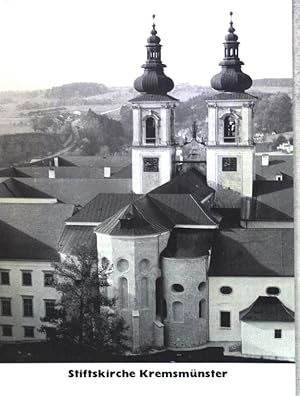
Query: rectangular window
x,y
26,278
225,319
48,279
4,277
49,308
229,164
29,331
277,333
5,306
27,306
7,330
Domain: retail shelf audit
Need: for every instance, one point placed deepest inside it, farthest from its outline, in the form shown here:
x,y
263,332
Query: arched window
x,y
202,308
150,131
123,292
144,293
158,297
201,286
229,129
177,309
144,265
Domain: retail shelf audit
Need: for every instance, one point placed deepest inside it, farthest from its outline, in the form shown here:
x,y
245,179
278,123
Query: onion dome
x,y
231,78
154,80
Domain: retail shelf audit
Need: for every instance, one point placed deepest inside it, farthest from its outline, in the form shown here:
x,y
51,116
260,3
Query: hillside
x,y
56,111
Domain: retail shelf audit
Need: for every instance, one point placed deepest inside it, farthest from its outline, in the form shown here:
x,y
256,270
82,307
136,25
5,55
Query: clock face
x,y
151,165
229,164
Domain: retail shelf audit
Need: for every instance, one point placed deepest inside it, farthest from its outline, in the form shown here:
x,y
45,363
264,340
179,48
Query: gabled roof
x,y
183,210
31,231
253,252
78,191
138,218
17,189
190,182
76,236
267,309
153,98
102,207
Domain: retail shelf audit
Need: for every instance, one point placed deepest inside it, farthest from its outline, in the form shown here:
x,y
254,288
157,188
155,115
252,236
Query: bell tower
x,y
153,146
230,148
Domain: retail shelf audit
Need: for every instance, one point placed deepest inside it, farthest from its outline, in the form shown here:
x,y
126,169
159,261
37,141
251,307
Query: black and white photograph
x,y
147,191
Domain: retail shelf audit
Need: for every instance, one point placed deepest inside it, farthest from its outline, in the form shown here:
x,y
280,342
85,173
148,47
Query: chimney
x,y
56,162
107,171
51,173
265,160
279,176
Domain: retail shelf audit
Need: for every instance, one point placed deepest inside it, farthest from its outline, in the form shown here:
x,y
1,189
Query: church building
x,y
202,255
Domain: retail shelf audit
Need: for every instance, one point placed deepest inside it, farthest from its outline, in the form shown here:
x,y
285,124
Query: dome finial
x,y
153,31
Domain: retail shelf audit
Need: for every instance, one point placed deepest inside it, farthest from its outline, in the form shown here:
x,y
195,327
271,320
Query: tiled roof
x,y
139,218
78,191
253,252
102,207
267,309
17,189
186,243
31,231
277,164
76,236
231,95
95,161
274,200
13,172
183,209
65,172
124,173
49,161
153,98
190,182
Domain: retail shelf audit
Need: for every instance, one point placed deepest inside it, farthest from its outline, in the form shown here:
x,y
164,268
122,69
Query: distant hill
x,y
81,89
273,82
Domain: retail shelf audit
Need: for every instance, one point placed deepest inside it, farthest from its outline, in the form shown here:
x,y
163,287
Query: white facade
x,y
15,291
156,148
245,291
230,151
258,339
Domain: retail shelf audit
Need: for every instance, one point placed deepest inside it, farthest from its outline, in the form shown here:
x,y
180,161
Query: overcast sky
x,y
46,43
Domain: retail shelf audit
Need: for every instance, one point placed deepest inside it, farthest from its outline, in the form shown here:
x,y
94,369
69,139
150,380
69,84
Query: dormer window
x,y
150,131
229,130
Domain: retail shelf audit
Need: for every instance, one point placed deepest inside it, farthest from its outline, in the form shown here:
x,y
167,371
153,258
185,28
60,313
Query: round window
x,y
122,265
273,291
177,288
226,290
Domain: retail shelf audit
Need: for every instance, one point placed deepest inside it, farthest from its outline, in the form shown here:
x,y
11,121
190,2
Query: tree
x,y
273,113
84,315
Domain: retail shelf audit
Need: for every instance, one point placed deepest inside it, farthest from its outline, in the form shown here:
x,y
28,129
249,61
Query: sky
x,y
47,43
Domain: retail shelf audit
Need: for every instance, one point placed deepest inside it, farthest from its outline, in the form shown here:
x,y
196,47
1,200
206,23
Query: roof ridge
x,y
201,208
